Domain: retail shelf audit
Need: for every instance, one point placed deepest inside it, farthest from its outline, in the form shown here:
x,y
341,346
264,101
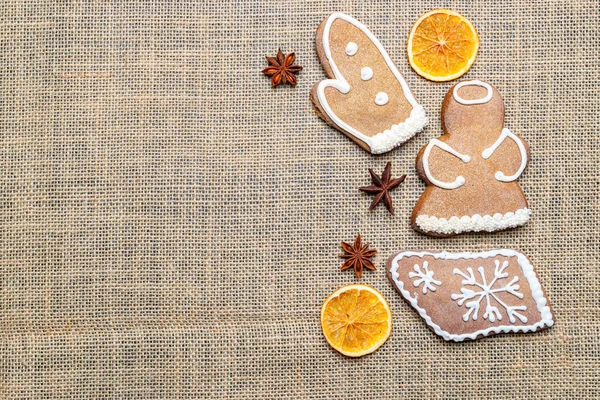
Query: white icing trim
x,y
475,82
534,284
459,181
351,48
381,99
366,73
475,223
487,153
396,134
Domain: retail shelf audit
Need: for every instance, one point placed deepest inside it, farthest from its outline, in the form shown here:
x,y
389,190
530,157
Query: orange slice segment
x,y
356,320
442,45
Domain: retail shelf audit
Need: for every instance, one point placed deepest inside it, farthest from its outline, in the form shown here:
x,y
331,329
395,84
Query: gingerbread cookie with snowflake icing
x,y
471,171
465,296
366,98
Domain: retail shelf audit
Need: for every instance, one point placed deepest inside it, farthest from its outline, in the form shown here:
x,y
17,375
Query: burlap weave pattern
x,y
170,224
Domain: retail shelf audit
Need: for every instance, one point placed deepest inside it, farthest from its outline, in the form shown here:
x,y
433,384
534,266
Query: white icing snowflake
x,y
426,277
486,291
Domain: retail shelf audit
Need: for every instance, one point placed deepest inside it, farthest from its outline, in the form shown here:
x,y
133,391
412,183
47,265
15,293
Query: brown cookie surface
x,y
465,296
366,98
471,170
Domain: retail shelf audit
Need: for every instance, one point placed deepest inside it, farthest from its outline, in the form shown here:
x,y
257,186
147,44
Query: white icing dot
x,y
381,99
351,48
366,73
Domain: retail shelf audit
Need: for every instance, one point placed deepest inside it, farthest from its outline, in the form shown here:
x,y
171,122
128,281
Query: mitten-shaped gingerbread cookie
x,y
367,97
471,170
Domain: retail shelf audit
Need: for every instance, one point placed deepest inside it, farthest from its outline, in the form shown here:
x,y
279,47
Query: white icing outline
x,y
475,223
475,82
396,134
534,284
459,181
487,153
366,73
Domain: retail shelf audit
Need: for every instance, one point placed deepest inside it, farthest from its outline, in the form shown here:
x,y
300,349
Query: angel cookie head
x,y
471,170
473,108
366,98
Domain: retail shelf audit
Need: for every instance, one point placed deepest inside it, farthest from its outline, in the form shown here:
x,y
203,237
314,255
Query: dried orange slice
x,y
356,320
442,45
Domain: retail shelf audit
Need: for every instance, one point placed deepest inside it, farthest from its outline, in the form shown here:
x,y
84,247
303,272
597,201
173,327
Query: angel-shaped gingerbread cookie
x,y
366,98
471,170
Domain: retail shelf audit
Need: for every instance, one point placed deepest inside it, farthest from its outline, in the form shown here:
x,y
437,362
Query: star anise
x,y
357,256
382,186
282,69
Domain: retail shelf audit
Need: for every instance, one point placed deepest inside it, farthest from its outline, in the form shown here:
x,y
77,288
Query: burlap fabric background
x,y
170,224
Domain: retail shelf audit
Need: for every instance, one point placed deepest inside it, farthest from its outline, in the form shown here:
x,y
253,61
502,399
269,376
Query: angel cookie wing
x,y
367,98
465,296
487,153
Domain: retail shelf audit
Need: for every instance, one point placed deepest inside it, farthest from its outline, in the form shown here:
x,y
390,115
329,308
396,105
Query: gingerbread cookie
x,y
471,170
366,98
470,295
